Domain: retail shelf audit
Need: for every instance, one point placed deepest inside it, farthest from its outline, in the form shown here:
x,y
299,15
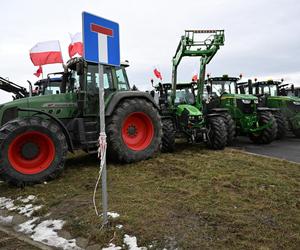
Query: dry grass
x,y
193,199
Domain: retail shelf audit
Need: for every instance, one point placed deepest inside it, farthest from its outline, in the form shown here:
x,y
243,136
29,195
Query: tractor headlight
x,y
296,103
246,101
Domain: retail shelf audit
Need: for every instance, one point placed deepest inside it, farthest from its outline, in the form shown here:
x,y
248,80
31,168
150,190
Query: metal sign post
x,y
101,45
102,132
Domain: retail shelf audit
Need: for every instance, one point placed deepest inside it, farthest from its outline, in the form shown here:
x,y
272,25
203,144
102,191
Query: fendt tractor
x,y
181,103
273,95
37,132
247,118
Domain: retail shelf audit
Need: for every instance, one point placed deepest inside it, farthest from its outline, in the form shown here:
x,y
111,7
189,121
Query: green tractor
x,y
248,119
37,132
181,103
272,94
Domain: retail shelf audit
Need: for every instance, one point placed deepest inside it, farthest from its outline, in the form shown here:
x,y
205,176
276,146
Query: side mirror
x,y
79,68
152,82
293,88
250,87
30,88
208,89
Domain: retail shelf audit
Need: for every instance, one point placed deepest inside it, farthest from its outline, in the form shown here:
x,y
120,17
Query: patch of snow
x,y
113,215
119,226
112,247
27,199
6,220
26,210
28,226
7,203
131,242
45,233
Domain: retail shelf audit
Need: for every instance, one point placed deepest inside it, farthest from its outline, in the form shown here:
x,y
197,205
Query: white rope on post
x,y
102,156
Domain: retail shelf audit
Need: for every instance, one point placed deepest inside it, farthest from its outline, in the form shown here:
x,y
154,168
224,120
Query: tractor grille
x,y
245,108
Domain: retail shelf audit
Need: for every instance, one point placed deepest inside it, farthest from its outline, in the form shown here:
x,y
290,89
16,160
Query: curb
x,y
25,239
264,156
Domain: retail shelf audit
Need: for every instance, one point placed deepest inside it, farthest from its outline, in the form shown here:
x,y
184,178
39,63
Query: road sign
x,y
101,43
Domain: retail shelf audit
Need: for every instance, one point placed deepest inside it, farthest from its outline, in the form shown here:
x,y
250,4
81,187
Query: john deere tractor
x,y
273,95
37,132
181,103
248,119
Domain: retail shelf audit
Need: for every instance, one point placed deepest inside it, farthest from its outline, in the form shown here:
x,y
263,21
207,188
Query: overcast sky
x,y
262,37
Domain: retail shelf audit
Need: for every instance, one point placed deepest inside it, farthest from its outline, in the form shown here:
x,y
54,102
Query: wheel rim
x,y
137,131
31,152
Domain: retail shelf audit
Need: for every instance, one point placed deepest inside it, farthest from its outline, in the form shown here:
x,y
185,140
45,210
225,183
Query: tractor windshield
x,y
123,84
222,87
270,89
185,96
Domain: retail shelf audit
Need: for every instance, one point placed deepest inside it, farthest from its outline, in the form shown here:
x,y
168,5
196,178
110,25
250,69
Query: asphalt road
x,y
287,149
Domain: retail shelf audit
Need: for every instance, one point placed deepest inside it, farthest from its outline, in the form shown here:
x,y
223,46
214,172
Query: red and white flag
x,y
46,53
195,77
157,74
76,45
39,71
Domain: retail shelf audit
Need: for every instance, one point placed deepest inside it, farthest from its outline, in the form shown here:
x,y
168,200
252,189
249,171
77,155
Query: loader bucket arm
x,y
190,46
17,90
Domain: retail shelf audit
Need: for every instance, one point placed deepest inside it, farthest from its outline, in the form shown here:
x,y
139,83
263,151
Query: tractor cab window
x,y
122,79
74,83
184,96
273,90
92,78
223,87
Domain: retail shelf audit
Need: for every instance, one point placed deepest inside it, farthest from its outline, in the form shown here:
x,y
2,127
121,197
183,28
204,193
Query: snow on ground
x,y
6,220
131,242
113,215
45,232
112,247
24,209
27,227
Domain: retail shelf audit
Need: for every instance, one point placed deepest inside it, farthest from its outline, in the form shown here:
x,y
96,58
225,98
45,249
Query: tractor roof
x,y
223,78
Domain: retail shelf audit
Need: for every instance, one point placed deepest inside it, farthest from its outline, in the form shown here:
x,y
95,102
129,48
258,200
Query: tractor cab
x,y
223,92
49,86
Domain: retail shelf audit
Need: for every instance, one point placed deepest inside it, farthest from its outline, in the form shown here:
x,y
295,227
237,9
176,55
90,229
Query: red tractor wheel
x,y
134,131
33,150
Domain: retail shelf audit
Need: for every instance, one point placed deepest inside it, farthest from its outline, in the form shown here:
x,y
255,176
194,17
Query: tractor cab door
x,y
92,88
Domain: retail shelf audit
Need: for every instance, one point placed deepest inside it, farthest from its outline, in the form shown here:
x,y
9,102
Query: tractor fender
x,y
120,96
261,109
60,124
274,109
213,114
219,110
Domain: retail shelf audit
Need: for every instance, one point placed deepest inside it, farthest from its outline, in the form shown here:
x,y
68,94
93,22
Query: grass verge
x,y
192,199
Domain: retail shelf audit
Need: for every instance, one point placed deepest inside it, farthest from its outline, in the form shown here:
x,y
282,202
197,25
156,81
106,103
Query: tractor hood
x,y
193,111
285,98
239,96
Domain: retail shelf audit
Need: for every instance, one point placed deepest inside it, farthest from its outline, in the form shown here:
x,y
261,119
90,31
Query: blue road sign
x,y
101,43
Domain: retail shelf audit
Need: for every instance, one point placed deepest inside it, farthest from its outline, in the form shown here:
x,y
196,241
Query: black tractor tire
x,y
168,137
134,131
282,125
231,128
217,133
33,150
267,135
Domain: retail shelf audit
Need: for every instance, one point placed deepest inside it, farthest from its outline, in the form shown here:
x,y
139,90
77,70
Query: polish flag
x,y
39,71
195,77
46,53
76,46
157,74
